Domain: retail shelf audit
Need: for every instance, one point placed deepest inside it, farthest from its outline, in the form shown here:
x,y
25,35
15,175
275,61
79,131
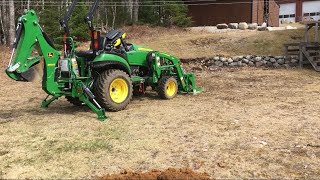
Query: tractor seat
x,y
113,34
111,37
86,54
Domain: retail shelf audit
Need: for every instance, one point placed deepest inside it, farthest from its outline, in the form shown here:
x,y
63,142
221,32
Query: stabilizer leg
x,y
100,112
45,103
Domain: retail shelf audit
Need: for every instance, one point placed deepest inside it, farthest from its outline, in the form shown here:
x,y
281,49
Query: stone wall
x,y
244,61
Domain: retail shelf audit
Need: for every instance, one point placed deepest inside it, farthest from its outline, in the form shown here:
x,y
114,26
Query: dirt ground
x,y
169,174
248,123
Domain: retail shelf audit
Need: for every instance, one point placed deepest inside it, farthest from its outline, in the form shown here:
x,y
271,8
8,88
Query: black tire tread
x,y
162,87
101,91
74,101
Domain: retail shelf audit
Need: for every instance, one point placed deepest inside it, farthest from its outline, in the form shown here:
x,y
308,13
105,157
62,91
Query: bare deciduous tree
x,y
11,22
135,11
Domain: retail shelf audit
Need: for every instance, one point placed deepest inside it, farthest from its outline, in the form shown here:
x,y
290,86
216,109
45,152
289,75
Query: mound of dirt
x,y
169,174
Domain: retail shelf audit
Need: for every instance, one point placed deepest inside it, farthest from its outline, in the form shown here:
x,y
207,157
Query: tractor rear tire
x,y
113,89
74,101
167,87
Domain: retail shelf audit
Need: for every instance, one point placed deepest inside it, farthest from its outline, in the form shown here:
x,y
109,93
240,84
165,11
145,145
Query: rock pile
x,y
244,26
244,61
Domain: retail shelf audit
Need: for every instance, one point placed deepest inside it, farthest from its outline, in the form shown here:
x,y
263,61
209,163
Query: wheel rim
x,y
171,88
119,90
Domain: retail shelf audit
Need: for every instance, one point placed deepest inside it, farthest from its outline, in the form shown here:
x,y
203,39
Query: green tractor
x,y
103,77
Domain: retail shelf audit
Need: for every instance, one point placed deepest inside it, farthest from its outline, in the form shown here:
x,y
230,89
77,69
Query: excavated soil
x,y
169,174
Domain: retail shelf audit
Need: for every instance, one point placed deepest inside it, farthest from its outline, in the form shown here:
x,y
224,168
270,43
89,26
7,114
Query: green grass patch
x,y
91,146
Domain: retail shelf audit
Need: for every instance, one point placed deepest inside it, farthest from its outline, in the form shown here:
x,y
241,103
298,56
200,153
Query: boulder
x,y
276,65
233,64
253,26
230,60
260,28
279,57
280,61
273,60
222,26
260,63
251,63
236,59
216,58
223,59
264,24
258,59
233,25
246,61
248,57
220,64
243,26
267,58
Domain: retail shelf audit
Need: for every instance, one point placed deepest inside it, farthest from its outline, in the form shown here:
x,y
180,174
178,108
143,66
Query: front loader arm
x,y
164,62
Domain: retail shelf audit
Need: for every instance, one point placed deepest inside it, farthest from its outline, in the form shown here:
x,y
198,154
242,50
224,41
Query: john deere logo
x,y
50,55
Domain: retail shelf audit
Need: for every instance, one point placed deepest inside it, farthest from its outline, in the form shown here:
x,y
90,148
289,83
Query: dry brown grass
x,y
248,123
184,43
187,44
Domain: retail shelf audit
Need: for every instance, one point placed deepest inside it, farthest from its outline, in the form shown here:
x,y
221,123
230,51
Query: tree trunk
x,y
114,13
130,9
5,21
12,23
106,26
3,36
135,17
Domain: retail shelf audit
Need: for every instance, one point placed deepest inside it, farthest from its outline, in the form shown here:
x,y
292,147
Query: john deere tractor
x,y
103,77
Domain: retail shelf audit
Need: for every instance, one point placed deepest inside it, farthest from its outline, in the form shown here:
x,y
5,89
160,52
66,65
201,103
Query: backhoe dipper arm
x,y
64,24
29,37
88,19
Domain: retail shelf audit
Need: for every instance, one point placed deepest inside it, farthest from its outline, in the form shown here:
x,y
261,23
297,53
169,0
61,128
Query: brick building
x,y
206,13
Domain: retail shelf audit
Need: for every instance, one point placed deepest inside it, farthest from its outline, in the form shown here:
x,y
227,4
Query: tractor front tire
x,y
167,87
74,101
113,89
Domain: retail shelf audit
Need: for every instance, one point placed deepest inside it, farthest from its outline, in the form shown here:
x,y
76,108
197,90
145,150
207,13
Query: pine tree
x,y
78,28
165,13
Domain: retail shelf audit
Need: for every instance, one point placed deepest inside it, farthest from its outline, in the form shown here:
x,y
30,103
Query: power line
x,y
146,3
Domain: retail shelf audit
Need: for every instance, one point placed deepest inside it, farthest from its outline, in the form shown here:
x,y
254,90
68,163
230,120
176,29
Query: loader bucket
x,y
191,87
